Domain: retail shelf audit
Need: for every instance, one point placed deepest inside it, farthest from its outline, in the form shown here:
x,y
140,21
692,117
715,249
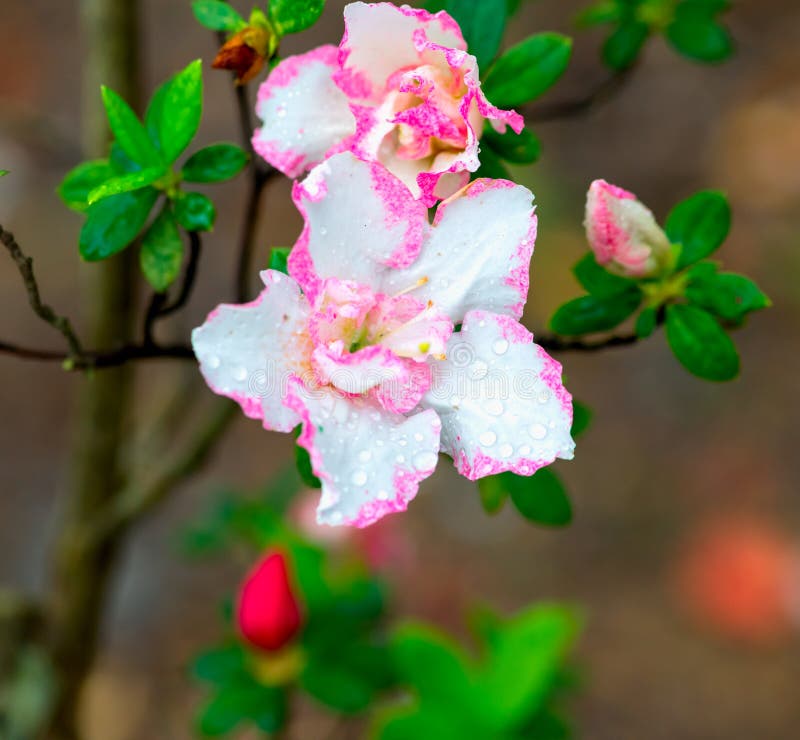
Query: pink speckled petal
x,y
359,371
501,400
306,116
479,252
247,352
379,39
370,461
622,232
361,223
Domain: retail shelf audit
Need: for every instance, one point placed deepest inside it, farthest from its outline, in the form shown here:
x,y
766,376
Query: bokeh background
x,y
667,455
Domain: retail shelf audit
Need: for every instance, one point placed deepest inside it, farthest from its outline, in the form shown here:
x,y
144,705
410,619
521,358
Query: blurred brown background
x,y
665,454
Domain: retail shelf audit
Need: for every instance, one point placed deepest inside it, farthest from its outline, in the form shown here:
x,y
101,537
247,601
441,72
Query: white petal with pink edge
x,y
370,461
379,39
247,352
478,255
305,114
360,223
501,400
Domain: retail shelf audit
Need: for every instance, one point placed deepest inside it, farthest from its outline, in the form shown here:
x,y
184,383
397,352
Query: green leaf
x,y
162,251
527,70
608,11
195,212
244,699
493,494
482,24
700,224
335,687
492,167
278,257
303,462
540,498
700,343
3,173
427,723
293,16
221,664
646,322
78,183
700,39
215,163
217,16
623,46
594,313
120,162
113,223
597,280
522,148
175,117
581,418
126,183
128,130
727,295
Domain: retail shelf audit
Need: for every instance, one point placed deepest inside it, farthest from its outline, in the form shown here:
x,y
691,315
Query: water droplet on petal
x,y
240,374
506,450
383,495
425,461
487,439
538,431
418,437
400,458
494,407
359,478
213,362
364,455
500,347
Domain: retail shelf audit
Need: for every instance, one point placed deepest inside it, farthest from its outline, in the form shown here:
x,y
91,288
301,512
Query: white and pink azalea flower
x,y
393,339
623,233
401,89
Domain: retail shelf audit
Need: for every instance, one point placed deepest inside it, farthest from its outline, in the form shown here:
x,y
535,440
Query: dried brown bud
x,y
244,53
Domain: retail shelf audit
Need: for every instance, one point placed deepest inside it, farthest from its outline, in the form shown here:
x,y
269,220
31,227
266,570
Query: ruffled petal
x,y
247,352
478,255
381,38
501,400
370,461
360,224
306,116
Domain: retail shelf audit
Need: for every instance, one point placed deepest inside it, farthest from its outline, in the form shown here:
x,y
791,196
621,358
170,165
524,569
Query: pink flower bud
x,y
268,614
623,233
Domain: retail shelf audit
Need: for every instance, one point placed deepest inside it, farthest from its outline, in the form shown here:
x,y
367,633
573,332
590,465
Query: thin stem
x,y
42,310
249,225
195,247
554,343
583,104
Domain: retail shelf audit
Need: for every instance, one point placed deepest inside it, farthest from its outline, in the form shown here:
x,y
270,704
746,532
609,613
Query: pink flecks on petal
x,y
245,351
370,461
500,397
306,117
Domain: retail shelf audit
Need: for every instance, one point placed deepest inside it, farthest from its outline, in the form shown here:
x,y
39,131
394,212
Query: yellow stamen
x,y
422,281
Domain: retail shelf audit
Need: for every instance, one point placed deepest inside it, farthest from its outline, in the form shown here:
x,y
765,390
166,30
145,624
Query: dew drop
x,y
479,369
425,461
506,450
524,450
418,437
494,407
500,347
402,442
400,458
213,362
364,455
487,439
383,495
359,478
538,431
240,373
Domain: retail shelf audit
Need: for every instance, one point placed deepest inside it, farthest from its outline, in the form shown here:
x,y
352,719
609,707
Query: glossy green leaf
x,y
339,689
527,70
540,498
128,130
426,723
482,24
3,173
700,343
221,664
195,212
162,251
126,183
702,40
113,223
239,701
596,280
581,418
522,148
493,494
727,295
120,162
608,11
175,112
278,257
492,166
293,16
78,183
594,313
646,322
215,163
622,47
700,224
217,15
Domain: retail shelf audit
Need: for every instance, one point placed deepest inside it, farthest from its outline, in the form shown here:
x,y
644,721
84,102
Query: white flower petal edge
x,y
370,461
247,351
363,224
306,116
501,400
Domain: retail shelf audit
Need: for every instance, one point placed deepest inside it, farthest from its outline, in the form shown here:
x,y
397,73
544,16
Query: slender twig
x,y
562,344
195,247
583,104
249,224
42,310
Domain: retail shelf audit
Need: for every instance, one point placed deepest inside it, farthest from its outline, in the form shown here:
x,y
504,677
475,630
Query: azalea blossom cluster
x,y
390,330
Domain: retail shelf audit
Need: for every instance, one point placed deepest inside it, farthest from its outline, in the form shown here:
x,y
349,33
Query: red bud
x,y
268,613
